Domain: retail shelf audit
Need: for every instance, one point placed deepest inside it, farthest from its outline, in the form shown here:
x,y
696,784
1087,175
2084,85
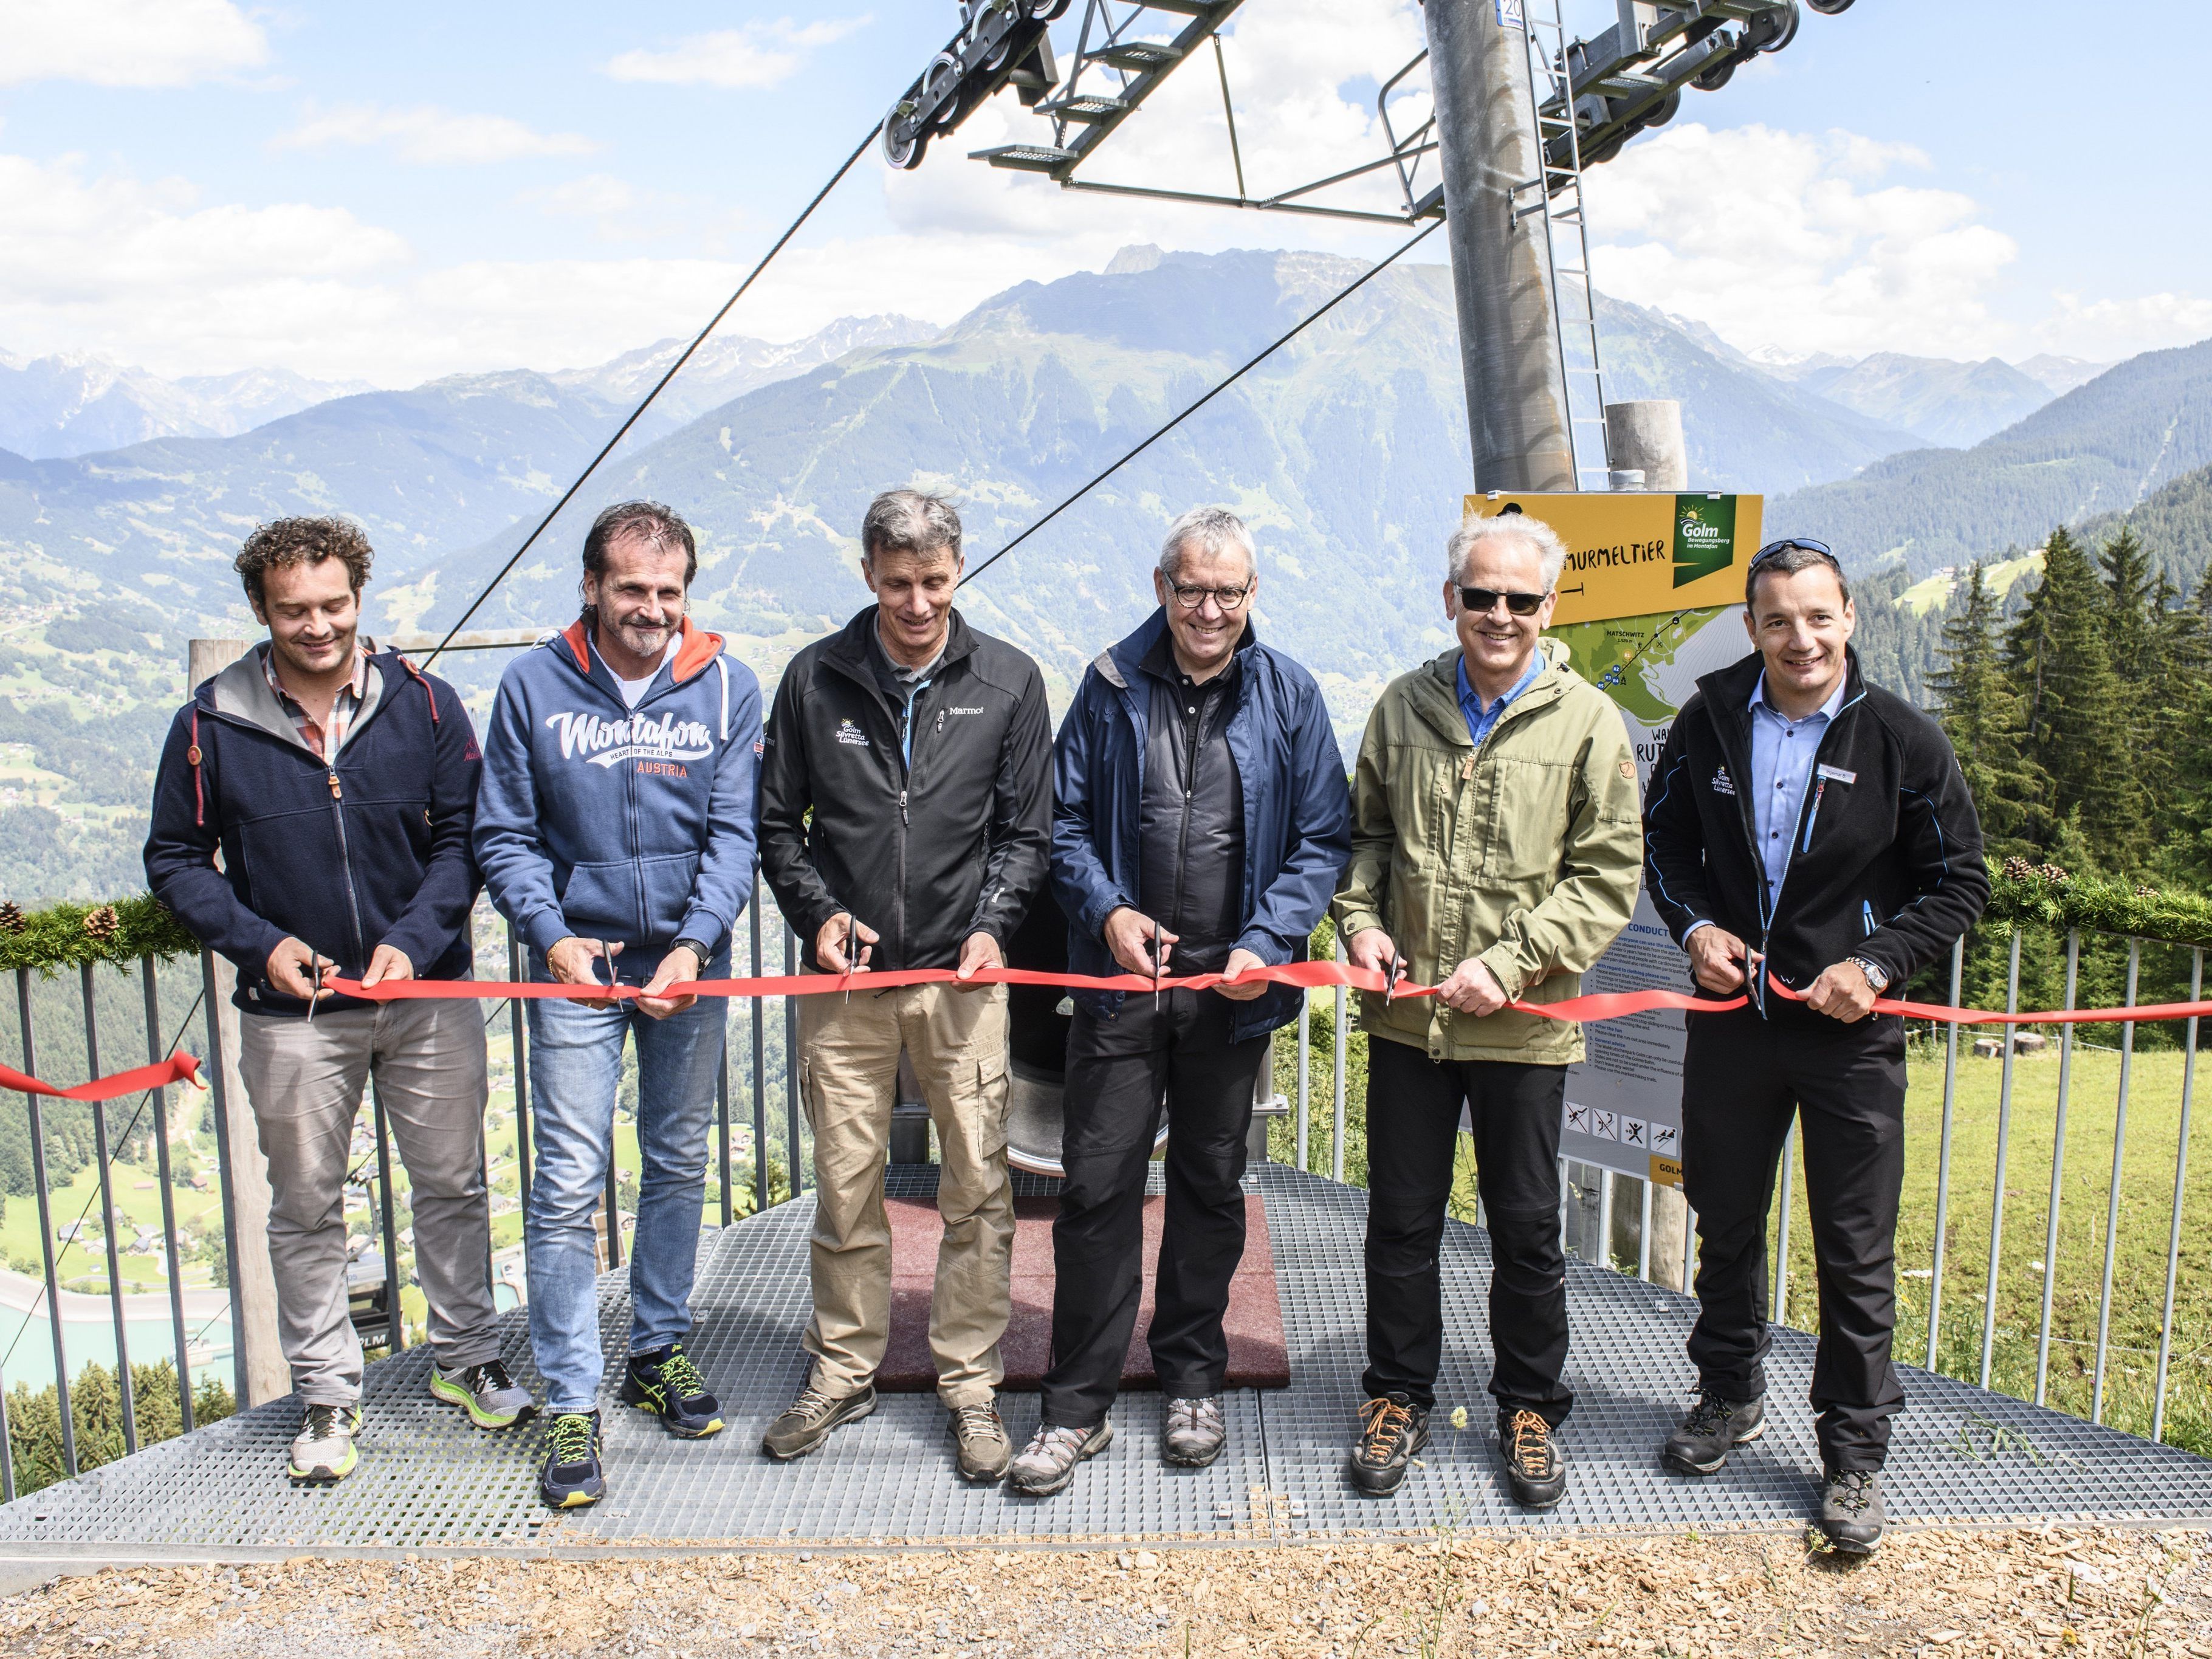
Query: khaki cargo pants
x,y
848,1076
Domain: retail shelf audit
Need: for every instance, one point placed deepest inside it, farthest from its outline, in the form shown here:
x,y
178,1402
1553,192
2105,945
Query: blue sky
x,y
393,192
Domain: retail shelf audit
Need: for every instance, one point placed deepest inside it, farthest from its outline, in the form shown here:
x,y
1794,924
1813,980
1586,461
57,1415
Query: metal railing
x,y
760,1157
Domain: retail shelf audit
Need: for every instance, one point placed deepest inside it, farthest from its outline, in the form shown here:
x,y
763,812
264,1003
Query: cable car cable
x,y
660,386
1264,353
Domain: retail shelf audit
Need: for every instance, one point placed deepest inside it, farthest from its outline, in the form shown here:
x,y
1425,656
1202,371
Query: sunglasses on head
x,y
1774,550
1480,599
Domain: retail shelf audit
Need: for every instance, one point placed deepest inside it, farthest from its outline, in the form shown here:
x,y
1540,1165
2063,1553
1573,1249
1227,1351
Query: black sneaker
x,y
1714,1428
1392,1430
1852,1511
1534,1468
571,1477
666,1384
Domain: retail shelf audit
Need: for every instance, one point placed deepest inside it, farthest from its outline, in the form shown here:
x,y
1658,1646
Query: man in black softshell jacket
x,y
905,814
1810,842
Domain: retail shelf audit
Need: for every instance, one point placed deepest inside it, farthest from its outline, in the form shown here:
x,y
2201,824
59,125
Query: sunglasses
x,y
1480,599
1774,550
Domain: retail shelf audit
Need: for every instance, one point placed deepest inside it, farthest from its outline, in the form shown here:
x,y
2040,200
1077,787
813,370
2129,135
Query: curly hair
x,y
283,542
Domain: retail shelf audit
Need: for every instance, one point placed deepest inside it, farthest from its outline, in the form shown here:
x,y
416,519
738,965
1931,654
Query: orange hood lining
x,y
697,648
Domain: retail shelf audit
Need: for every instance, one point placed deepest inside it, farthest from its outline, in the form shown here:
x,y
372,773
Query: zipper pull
x,y
941,722
902,806
337,794
1467,770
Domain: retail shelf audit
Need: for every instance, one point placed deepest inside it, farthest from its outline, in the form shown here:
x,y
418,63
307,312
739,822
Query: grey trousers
x,y
305,1081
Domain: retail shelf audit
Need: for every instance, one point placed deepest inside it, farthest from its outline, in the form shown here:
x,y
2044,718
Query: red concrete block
x,y
1259,1358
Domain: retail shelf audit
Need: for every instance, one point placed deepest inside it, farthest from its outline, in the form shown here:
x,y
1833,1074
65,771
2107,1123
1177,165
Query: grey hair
x,y
1535,533
1212,528
910,521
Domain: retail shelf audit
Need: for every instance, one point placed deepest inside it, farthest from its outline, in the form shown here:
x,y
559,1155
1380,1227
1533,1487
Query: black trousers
x,y
1118,1071
1413,1118
1744,1079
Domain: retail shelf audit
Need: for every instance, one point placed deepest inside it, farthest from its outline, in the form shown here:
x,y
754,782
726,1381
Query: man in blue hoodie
x,y
615,830
310,814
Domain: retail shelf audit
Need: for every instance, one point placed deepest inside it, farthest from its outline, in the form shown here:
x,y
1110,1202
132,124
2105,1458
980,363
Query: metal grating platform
x,y
427,1480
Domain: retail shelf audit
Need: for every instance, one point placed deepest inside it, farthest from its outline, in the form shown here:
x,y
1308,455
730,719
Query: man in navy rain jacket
x,y
616,832
1203,821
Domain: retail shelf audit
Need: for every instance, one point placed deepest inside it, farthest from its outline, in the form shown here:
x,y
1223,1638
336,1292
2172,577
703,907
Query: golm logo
x,y
849,732
1704,536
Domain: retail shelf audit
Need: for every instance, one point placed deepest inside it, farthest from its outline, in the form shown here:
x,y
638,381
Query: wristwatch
x,y
1874,976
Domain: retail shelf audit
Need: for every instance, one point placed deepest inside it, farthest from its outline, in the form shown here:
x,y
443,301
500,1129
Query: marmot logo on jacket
x,y
609,743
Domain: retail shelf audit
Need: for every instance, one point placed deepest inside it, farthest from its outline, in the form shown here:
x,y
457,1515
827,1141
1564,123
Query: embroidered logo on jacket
x,y
849,732
1722,784
610,742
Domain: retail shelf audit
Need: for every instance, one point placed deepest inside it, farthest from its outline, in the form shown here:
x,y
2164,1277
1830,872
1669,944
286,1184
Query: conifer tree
x,y
2059,659
1982,715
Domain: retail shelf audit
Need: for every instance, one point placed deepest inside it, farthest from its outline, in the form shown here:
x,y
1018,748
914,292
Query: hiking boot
x,y
1714,1428
666,1384
979,1439
572,1476
324,1453
1048,1462
1193,1432
1392,1430
1534,1468
1852,1511
806,1422
492,1399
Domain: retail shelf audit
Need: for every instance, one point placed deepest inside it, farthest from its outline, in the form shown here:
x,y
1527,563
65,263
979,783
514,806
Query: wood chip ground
x,y
1934,1594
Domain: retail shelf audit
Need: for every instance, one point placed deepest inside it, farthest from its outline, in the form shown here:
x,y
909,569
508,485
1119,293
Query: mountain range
x,y
2102,448
74,404
1347,451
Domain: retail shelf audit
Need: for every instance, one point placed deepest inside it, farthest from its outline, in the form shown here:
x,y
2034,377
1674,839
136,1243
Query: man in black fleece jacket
x,y
1810,842
905,809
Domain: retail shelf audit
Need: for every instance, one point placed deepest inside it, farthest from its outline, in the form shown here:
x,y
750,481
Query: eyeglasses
x,y
1480,599
1229,598
1774,550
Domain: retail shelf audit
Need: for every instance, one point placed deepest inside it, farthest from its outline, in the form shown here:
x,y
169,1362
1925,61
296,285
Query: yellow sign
x,y
1666,1171
1637,554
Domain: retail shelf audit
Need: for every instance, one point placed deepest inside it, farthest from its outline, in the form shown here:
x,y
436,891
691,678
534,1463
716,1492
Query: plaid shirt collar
x,y
327,739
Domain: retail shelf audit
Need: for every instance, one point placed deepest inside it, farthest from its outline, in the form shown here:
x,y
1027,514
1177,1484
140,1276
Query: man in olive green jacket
x,y
1496,852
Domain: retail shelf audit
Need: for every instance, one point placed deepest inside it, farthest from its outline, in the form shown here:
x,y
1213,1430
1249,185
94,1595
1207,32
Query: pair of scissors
x,y
1397,971
1156,965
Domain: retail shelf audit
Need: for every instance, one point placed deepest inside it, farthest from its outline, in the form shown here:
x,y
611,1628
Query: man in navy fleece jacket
x,y
335,783
615,830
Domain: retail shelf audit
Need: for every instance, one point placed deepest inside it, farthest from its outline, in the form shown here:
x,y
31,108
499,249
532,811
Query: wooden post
x,y
246,1183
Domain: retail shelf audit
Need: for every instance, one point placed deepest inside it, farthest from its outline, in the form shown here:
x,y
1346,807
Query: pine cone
x,y
2053,874
11,918
2145,890
2018,869
103,924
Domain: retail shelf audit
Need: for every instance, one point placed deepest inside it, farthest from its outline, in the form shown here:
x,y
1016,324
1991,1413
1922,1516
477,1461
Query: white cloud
x,y
126,43
2106,330
429,136
1798,240
751,56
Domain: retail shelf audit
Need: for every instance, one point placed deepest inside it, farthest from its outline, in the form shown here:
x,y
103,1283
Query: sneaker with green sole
x,y
492,1398
324,1453
571,1477
666,1384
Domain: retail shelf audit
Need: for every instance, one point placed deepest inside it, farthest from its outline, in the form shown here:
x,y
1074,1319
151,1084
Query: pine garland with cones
x,y
67,935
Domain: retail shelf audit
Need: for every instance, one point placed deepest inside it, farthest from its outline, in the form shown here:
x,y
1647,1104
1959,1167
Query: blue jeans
x,y
576,1068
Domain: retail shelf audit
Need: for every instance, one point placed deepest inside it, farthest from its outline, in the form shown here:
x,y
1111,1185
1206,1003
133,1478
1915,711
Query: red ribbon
x,y
180,1067
1308,975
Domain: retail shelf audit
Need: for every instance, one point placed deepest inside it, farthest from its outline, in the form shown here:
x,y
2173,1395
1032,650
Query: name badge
x,y
1837,774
